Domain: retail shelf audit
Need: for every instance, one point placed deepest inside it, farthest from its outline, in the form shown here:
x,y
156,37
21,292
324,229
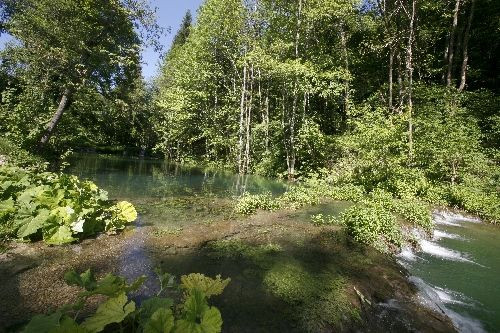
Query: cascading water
x,y
457,271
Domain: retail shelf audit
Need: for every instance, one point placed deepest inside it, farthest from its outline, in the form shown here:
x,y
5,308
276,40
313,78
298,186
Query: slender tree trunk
x,y
242,118
409,67
465,58
267,122
248,123
400,83
291,155
451,46
391,65
63,103
347,88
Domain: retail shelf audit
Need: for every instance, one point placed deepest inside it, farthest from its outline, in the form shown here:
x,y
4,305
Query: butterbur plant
x,y
191,314
56,208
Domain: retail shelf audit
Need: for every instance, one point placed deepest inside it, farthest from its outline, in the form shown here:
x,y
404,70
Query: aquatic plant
x,y
248,203
192,314
57,208
322,220
320,301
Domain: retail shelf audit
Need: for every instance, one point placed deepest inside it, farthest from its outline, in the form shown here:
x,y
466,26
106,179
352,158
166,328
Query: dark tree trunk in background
x,y
465,57
63,103
451,46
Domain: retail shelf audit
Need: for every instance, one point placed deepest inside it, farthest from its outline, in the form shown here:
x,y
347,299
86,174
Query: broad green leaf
x,y
211,322
64,215
112,285
126,211
68,325
59,235
114,310
162,321
85,280
149,306
34,224
208,286
195,306
198,316
6,206
43,323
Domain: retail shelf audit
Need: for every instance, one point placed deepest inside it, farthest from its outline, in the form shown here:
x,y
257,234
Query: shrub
x,y
486,205
371,224
249,203
57,208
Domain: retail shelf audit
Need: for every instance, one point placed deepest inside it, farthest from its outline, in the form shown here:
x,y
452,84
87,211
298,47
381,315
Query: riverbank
x,y
264,255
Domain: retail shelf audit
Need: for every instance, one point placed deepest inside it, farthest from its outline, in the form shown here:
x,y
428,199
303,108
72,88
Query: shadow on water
x,y
302,285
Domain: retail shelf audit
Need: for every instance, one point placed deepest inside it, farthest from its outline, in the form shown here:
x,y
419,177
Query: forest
x,y
386,111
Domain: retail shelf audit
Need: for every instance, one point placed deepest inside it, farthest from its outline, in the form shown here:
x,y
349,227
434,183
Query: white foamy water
x,y
437,298
437,250
438,234
407,254
453,219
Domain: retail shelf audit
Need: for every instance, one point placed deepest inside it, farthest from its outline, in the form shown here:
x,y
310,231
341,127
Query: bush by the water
x,y
190,312
57,208
372,225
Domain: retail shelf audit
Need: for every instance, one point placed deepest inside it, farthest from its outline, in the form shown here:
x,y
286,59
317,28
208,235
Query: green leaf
x,y
162,321
112,285
126,211
68,325
85,280
59,235
150,306
114,310
211,322
208,286
198,316
6,206
43,323
34,224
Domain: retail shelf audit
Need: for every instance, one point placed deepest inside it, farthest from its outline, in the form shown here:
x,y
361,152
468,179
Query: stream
x,y
457,271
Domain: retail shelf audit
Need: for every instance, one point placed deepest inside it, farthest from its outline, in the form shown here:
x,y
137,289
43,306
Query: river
x,y
457,271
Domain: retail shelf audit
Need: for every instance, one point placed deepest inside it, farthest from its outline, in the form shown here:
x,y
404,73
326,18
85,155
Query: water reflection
x,y
140,178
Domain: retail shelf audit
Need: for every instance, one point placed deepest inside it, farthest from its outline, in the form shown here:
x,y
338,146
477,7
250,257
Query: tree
x,y
183,33
69,44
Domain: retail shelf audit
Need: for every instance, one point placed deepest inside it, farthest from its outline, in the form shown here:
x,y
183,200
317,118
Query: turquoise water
x,y
460,269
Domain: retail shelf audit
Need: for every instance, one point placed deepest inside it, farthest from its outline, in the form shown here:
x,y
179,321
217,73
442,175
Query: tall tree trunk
x,y
291,154
242,119
409,68
63,103
248,123
400,82
391,65
267,121
343,40
451,46
465,57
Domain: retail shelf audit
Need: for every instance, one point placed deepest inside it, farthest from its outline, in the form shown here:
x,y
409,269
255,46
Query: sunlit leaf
x,y
162,321
114,310
34,224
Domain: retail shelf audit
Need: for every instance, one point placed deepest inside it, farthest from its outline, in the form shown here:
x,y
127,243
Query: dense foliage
x,y
358,92
73,68
154,315
57,208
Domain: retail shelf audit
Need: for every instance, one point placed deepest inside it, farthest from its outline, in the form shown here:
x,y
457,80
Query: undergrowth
x,y
189,312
